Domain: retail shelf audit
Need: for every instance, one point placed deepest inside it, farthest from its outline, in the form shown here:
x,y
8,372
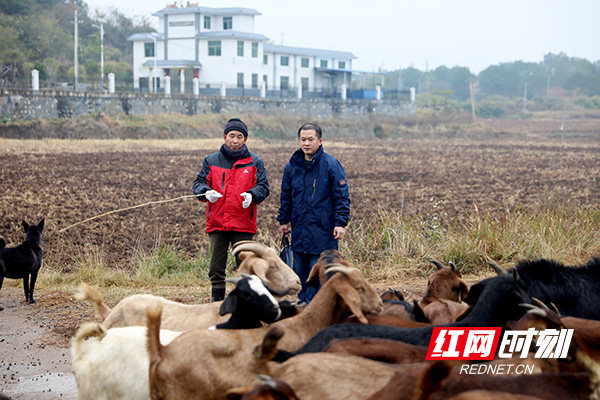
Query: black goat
x,y
499,303
574,290
249,303
23,261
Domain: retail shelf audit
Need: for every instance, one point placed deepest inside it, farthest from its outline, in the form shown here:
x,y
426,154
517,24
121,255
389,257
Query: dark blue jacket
x,y
314,200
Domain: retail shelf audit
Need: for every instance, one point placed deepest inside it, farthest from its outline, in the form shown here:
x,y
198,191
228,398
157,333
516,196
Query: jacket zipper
x,y
313,193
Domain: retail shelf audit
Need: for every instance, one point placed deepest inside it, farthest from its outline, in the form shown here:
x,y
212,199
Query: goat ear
x,y
228,306
25,225
353,301
41,224
463,289
259,267
418,313
313,278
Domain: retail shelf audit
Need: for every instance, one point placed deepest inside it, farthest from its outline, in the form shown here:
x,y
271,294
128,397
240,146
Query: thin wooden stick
x,y
130,208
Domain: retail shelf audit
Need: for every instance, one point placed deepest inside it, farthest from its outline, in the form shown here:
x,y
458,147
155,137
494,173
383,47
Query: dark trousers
x,y
219,247
303,263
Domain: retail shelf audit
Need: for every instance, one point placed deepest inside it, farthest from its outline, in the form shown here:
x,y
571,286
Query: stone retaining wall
x,y
16,105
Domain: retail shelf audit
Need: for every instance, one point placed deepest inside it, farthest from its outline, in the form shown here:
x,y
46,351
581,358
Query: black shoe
x,y
218,294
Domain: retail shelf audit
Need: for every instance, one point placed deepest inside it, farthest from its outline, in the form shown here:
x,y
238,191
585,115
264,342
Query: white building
x,y
220,48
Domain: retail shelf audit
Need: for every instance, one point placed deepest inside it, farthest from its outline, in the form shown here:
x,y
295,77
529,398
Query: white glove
x,y
212,195
247,199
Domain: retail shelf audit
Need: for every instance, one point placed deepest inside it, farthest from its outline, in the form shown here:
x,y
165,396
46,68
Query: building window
x,y
206,22
304,83
149,49
240,79
323,63
284,82
265,59
181,23
240,48
285,61
304,62
214,47
227,23
254,49
342,65
254,81
265,81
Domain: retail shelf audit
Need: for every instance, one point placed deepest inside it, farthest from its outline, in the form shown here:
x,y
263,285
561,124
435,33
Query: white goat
x,y
112,364
203,364
257,259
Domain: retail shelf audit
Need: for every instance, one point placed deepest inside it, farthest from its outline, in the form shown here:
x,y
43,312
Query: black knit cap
x,y
236,124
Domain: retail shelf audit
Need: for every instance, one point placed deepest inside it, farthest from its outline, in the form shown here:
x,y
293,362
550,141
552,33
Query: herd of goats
x,y
349,342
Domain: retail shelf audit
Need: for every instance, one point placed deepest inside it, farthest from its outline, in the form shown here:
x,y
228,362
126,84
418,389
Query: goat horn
x,y
555,309
538,311
497,268
264,378
247,245
453,267
327,266
541,303
438,264
233,280
338,268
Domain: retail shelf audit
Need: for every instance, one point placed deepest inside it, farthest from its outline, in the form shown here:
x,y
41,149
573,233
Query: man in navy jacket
x,y
315,200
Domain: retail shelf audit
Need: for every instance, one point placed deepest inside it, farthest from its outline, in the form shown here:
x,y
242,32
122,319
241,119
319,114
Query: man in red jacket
x,y
233,181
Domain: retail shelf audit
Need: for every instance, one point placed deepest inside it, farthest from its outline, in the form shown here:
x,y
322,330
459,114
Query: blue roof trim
x,y
208,10
303,51
145,36
172,63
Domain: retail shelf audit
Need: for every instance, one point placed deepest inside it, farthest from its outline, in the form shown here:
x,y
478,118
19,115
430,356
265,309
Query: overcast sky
x,y
394,34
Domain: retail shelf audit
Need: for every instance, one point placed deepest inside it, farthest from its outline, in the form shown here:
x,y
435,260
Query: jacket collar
x,y
236,155
298,156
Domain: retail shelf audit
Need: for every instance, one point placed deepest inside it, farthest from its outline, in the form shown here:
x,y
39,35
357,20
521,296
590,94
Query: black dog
x,y
24,260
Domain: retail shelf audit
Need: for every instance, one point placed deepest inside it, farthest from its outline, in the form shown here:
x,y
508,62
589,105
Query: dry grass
x,y
520,191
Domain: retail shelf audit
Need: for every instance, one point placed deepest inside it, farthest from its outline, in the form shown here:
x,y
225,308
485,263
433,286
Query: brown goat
x,y
319,272
384,350
445,283
324,375
442,380
257,259
446,289
204,364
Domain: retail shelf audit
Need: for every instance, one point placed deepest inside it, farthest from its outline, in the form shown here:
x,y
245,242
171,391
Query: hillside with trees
x,y
39,34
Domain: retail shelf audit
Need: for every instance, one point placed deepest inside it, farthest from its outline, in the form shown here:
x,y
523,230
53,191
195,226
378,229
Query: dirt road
x,y
35,359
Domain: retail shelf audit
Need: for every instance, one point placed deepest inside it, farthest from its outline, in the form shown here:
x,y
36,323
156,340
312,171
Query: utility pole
x,y
472,99
76,61
400,86
102,21
427,81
